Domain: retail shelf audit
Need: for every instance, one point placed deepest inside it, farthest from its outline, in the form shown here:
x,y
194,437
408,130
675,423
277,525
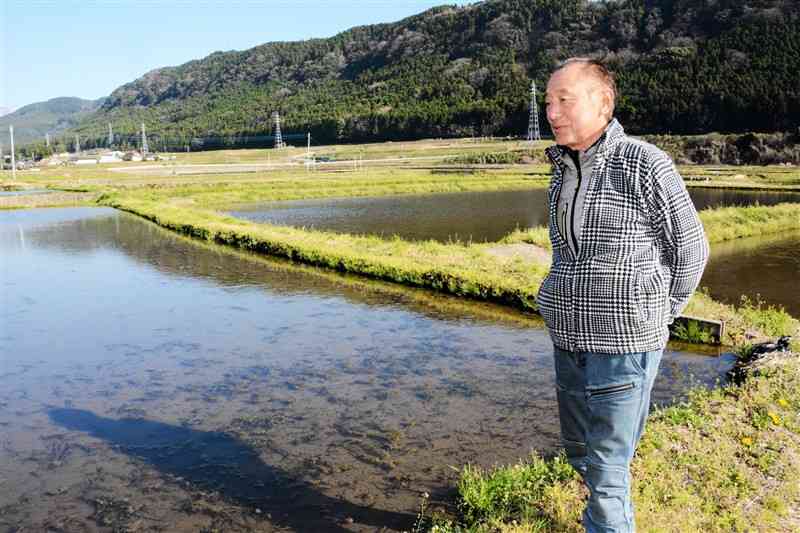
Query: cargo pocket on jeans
x,y
611,392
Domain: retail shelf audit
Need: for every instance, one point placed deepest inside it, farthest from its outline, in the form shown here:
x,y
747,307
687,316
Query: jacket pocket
x,y
653,297
607,300
545,302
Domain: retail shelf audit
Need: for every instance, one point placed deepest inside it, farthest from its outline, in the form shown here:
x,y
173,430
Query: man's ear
x,y
607,103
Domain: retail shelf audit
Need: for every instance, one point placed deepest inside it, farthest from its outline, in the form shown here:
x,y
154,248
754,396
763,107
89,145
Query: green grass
x,y
720,224
728,459
774,321
540,236
744,320
728,223
692,331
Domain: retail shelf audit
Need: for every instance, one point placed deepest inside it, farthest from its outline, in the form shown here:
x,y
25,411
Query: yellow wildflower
x,y
775,418
783,403
747,441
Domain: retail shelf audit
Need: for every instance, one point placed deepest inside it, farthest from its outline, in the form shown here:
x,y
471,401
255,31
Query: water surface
x,y
466,216
763,268
149,381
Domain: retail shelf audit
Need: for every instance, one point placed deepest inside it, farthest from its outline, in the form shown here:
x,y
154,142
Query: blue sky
x,y
88,48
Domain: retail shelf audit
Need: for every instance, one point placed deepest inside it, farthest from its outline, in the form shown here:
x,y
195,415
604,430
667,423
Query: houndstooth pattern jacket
x,y
642,251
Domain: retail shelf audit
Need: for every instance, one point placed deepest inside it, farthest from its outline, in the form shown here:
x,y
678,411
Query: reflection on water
x,y
148,378
710,198
465,216
766,268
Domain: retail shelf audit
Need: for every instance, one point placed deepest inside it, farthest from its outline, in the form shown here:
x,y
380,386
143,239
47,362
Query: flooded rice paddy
x,y
763,268
465,216
151,383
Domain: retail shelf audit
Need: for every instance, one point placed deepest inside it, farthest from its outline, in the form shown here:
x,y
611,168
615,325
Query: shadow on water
x,y
219,462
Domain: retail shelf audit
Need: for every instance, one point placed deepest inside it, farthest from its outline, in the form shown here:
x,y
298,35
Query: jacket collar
x,y
610,137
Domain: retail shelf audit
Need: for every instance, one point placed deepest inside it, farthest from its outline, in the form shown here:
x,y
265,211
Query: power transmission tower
x,y
110,135
144,142
533,121
278,138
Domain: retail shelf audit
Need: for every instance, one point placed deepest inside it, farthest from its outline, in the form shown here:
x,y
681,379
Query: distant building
x,y
111,157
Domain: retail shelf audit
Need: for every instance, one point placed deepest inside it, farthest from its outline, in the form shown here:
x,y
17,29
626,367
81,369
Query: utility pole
x,y
77,144
144,142
13,157
110,135
533,121
309,161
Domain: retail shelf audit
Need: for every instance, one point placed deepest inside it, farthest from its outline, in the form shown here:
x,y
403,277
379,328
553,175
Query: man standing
x,y
628,251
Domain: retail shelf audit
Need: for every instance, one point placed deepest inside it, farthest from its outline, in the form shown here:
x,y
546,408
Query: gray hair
x,y
598,70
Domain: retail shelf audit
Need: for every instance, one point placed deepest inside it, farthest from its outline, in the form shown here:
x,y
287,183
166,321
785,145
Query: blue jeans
x,y
603,402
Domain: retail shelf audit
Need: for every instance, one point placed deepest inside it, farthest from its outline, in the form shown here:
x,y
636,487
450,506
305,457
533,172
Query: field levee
x,y
464,269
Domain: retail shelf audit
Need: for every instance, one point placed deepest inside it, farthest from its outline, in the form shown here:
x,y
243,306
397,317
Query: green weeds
x,y
693,331
772,320
511,492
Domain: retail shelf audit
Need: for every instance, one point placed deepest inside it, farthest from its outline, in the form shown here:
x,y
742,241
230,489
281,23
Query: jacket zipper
x,y
611,390
571,229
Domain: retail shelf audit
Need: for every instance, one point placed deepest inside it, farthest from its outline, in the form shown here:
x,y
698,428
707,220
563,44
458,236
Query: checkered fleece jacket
x,y
641,253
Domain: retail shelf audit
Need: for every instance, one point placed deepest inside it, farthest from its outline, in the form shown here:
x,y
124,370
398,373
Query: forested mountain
x,y
54,116
683,66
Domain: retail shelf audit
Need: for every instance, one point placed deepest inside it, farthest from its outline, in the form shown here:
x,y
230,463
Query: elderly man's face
x,y
577,107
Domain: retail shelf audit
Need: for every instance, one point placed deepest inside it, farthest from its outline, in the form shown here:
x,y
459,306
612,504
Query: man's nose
x,y
552,112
